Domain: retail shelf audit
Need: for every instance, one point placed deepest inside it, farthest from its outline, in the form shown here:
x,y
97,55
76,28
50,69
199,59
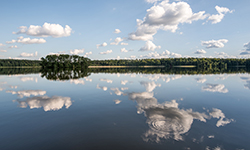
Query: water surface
x,y
124,110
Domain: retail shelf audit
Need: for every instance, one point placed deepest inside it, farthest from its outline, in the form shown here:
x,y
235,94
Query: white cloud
x,y
77,51
107,52
117,31
24,79
117,101
218,17
10,42
132,56
77,81
24,54
124,82
214,43
200,51
151,1
1,44
165,16
54,30
3,51
106,80
247,50
117,41
247,46
215,88
117,91
28,93
124,50
101,45
122,43
47,103
150,86
164,54
30,41
104,88
13,46
87,54
201,80
217,113
149,46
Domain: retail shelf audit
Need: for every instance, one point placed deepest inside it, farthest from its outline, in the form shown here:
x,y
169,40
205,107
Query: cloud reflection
x,y
27,93
47,103
167,120
150,86
215,88
201,80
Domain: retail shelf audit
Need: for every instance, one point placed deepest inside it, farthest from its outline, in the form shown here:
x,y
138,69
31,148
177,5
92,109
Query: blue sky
x,y
193,28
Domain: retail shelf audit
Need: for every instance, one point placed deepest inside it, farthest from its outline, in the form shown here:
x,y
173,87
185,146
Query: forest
x,y
75,61
19,63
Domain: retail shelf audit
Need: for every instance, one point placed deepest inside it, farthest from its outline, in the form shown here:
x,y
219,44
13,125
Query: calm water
x,y
125,111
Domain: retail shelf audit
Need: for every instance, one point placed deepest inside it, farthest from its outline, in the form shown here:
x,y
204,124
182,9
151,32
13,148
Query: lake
x,y
124,109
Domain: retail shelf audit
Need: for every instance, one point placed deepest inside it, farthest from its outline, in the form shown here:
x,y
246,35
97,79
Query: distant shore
x,y
20,66
126,66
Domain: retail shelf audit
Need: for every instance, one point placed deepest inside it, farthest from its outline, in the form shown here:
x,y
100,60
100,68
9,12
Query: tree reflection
x,y
64,74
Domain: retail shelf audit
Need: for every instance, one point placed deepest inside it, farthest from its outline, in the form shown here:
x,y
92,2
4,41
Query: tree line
x,y
75,61
19,63
171,62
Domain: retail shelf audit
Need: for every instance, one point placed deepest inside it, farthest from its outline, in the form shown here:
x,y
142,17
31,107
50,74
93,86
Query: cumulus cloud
x,y
247,49
54,30
101,45
107,52
215,88
3,51
221,13
165,16
47,103
24,54
245,53
247,46
164,54
117,31
122,43
76,51
27,41
27,93
117,41
200,51
13,46
151,1
124,50
149,46
10,42
214,43
87,54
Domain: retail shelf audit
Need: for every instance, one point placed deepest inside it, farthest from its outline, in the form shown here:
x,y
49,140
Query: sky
x,y
118,29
